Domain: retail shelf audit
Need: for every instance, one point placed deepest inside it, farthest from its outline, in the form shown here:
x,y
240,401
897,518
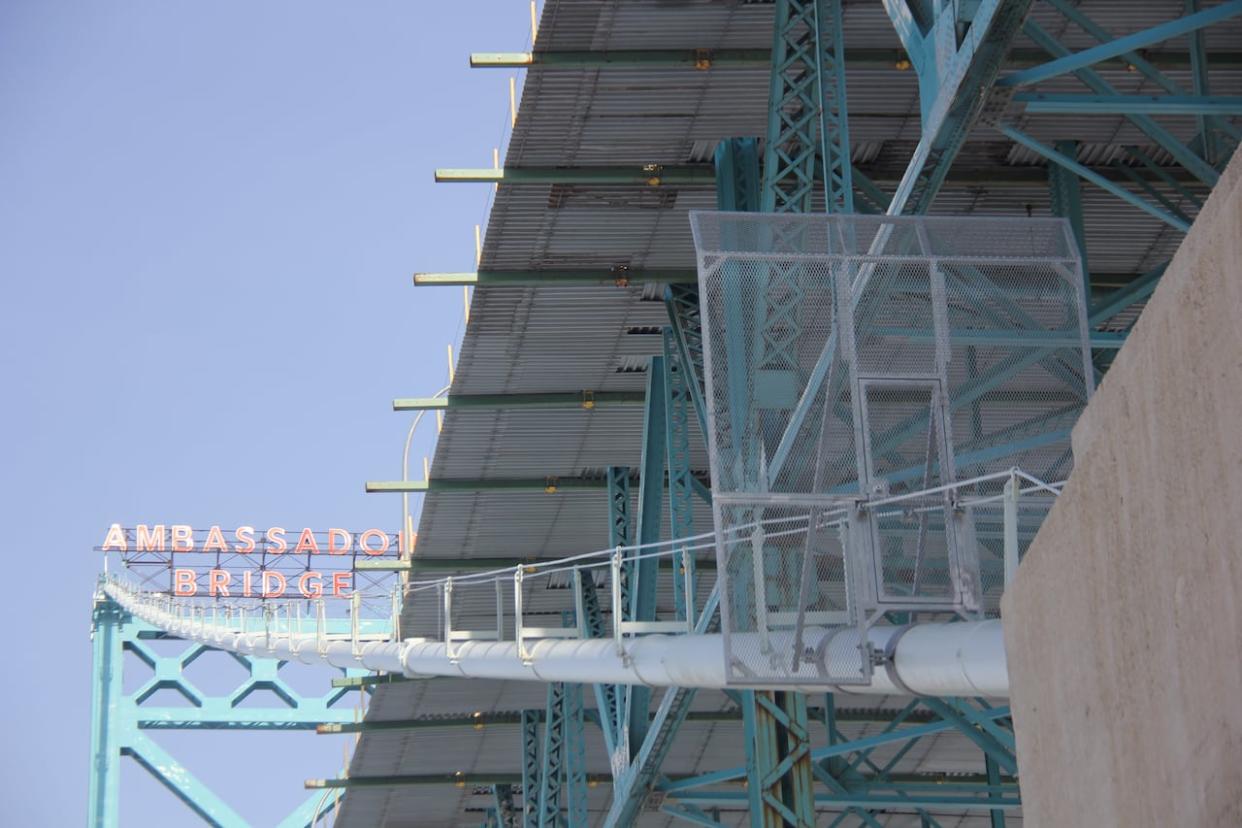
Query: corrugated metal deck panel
x,y
573,338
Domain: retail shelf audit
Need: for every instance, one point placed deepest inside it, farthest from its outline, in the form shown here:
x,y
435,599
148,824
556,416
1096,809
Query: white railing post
x,y
617,610
500,609
687,588
447,629
580,603
1011,526
758,539
321,627
355,628
517,614
396,612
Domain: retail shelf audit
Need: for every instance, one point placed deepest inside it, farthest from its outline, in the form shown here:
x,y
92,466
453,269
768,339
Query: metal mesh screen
x,y
852,359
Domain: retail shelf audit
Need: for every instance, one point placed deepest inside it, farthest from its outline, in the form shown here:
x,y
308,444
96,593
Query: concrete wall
x,y
1123,628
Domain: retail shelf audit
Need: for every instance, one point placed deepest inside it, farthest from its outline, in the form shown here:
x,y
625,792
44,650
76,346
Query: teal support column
x,y
779,775
650,520
104,794
575,755
997,815
678,405
737,189
551,771
611,699
807,128
1199,80
531,768
1065,194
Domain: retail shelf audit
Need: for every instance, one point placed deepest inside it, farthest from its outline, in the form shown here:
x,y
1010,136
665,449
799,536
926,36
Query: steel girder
x,y
633,780
808,127
807,124
562,760
955,70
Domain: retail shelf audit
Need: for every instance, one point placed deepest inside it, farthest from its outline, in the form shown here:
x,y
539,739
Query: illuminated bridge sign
x,y
246,562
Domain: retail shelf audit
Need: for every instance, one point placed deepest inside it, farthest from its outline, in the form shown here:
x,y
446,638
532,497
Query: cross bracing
x,y
639,227
651,90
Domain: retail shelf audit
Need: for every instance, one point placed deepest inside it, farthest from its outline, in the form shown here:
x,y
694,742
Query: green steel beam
x,y
872,801
1044,103
384,565
1143,63
370,681
948,782
535,278
652,58
458,779
859,58
548,485
480,720
654,175
1181,153
618,277
573,399
995,176
1131,42
1055,157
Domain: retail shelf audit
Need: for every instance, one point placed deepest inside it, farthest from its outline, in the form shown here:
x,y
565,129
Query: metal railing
x,y
582,592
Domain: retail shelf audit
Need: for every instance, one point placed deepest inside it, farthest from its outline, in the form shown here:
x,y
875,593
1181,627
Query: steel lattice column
x,y
807,127
105,697
119,719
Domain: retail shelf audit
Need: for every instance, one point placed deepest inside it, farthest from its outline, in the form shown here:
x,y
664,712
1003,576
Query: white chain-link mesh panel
x,y
854,358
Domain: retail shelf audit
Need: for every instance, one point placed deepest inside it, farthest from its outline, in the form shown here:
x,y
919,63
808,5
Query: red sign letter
x,y
346,544
182,538
268,576
245,536
307,542
310,590
115,539
150,540
276,540
215,541
184,582
218,583
373,533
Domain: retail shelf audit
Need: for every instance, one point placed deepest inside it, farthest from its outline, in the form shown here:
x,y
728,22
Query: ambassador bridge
x,y
796,326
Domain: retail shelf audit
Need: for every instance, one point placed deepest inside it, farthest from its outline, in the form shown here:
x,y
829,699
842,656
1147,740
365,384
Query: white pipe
x,y
963,659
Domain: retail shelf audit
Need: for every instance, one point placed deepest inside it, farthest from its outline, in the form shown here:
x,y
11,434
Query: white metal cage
x,y
857,359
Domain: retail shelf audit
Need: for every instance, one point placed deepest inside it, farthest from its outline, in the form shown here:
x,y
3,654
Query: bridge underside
x,y
575,418
613,145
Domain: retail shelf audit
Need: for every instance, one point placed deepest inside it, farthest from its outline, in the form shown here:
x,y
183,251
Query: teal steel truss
x,y
120,719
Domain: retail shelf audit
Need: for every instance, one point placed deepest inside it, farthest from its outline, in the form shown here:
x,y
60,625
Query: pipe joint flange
x,y
889,660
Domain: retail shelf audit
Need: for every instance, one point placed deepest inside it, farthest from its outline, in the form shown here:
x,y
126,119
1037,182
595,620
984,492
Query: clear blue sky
x,y
209,213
